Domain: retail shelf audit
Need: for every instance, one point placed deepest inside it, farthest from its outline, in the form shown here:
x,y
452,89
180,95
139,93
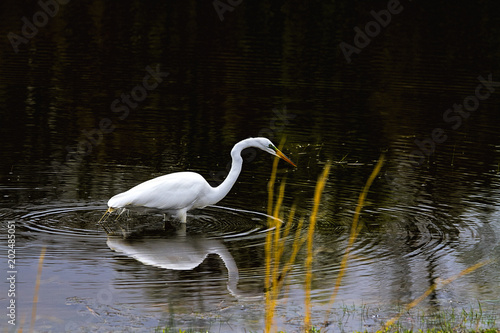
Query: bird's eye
x,y
272,147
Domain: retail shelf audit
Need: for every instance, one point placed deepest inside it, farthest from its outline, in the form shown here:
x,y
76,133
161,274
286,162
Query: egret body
x,y
179,192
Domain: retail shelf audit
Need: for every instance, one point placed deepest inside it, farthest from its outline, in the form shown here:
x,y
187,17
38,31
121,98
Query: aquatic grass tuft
x,y
270,273
275,243
438,284
355,228
320,185
277,270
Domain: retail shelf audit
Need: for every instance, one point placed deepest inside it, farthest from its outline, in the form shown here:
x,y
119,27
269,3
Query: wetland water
x,y
105,96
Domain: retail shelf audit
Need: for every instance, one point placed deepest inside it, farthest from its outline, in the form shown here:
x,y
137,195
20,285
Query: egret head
x,y
267,146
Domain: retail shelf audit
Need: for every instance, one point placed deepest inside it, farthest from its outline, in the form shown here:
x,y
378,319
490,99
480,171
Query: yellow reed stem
x,y
270,302
20,329
267,282
270,188
355,229
297,244
433,287
275,265
277,235
312,224
281,245
279,202
37,288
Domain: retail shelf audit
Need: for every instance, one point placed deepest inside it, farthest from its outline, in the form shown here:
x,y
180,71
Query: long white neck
x,y
223,189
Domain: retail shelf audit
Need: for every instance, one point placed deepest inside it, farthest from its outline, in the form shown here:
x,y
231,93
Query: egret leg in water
x,y
179,192
102,222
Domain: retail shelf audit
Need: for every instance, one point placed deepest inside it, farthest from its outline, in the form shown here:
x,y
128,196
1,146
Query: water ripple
x,y
77,219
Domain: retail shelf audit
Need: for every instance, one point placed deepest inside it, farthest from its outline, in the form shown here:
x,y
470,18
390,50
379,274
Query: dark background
x,y
227,76
270,68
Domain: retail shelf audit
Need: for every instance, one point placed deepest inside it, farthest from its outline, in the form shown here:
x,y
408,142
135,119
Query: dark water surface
x,y
106,95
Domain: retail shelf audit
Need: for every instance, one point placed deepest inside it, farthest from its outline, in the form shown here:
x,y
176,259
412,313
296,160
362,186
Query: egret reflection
x,y
179,251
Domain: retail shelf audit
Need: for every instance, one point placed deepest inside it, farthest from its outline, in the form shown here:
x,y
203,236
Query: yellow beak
x,y
283,157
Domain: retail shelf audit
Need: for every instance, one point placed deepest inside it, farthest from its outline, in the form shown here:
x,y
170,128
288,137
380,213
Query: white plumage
x,y
179,192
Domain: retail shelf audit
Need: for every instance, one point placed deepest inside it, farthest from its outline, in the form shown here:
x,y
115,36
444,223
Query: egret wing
x,y
169,192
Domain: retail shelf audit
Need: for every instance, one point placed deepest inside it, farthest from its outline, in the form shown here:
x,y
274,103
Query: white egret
x,y
179,192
